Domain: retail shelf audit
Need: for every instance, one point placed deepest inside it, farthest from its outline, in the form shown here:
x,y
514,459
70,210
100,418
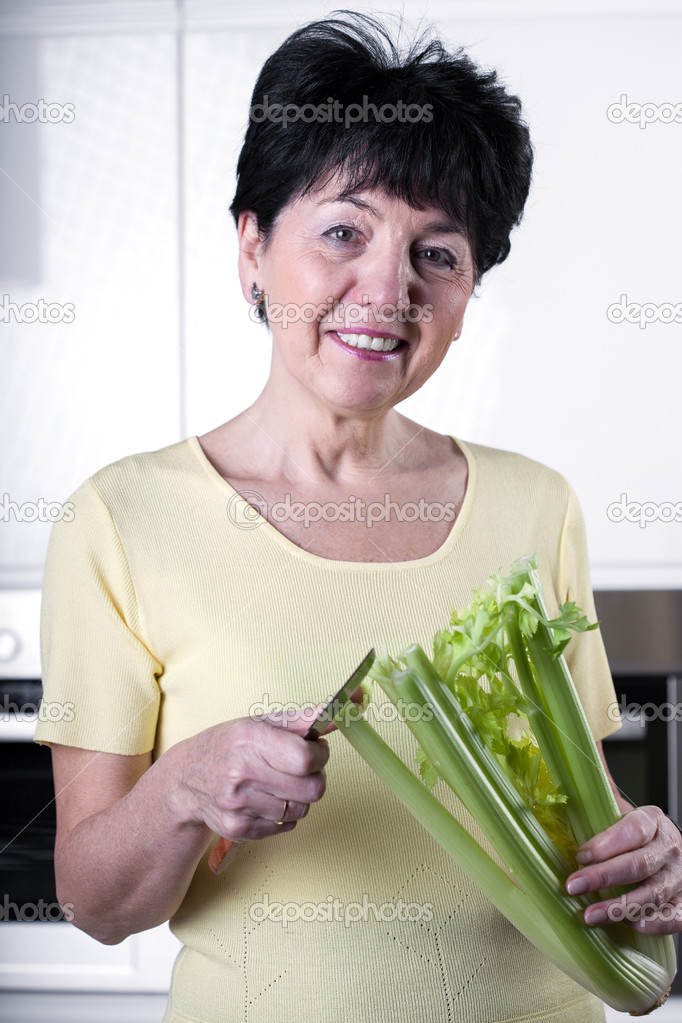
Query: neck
x,y
291,435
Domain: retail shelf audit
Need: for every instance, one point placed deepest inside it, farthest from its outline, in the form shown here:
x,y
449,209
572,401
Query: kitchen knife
x,y
334,704
224,851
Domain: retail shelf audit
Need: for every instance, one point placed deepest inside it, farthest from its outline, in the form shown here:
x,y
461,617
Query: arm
x,y
131,833
643,849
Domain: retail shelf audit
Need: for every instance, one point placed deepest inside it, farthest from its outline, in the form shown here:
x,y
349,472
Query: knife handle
x,y
219,856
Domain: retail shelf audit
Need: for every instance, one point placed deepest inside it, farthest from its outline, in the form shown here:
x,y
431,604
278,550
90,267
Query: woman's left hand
x,y
644,848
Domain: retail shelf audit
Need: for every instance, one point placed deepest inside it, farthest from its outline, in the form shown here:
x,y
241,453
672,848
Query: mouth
x,y
369,344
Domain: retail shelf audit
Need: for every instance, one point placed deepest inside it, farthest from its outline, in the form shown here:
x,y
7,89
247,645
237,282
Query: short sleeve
x,y
100,679
585,654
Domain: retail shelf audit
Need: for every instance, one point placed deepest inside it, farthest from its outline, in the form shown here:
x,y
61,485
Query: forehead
x,y
377,204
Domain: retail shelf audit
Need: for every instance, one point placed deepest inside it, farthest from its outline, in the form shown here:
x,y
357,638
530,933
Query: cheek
x,y
311,293
454,299
443,303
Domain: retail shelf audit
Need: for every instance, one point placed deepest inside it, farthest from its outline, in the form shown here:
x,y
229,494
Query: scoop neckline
x,y
283,541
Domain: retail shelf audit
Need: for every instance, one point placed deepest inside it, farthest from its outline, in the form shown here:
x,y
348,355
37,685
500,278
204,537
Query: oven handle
x,y
17,727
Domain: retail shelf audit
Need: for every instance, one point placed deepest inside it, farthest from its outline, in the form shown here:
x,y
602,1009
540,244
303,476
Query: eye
x,y
440,257
341,233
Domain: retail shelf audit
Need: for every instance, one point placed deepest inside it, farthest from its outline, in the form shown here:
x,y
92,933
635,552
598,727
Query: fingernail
x,y
584,857
577,886
595,916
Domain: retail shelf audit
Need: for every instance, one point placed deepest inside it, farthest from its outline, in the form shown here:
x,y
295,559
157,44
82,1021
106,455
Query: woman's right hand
x,y
130,832
239,776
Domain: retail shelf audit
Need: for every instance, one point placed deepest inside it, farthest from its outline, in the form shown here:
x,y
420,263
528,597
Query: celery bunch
x,y
536,795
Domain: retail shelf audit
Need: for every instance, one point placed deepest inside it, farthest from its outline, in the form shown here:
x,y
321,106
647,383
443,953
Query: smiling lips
x,y
369,341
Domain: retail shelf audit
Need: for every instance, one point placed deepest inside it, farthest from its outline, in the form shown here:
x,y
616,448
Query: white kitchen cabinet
x,y
123,213
89,211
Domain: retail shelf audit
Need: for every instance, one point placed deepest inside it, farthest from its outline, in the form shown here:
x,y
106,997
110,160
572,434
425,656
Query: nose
x,y
386,276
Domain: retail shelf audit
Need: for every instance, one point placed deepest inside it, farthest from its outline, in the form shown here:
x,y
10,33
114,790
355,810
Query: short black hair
x,y
468,153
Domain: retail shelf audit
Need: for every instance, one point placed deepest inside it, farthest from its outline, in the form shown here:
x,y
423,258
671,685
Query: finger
x,y
635,829
244,829
640,912
251,784
285,810
274,785
296,720
629,868
259,820
285,750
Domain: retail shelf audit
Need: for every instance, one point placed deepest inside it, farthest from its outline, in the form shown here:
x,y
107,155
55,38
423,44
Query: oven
x,y
39,949
27,826
642,632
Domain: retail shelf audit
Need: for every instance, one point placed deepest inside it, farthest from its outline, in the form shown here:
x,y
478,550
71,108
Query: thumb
x,y
354,703
299,720
294,720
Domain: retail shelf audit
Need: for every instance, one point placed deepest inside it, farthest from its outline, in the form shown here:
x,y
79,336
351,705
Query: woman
x,y
225,575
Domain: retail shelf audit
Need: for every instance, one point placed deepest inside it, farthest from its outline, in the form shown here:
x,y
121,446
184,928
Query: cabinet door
x,y
89,336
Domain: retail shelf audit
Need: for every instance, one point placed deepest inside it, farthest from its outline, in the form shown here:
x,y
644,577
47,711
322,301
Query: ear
x,y
250,246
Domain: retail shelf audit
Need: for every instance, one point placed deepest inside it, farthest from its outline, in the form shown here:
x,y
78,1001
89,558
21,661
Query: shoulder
x,y
138,488
141,478
514,476
146,468
519,497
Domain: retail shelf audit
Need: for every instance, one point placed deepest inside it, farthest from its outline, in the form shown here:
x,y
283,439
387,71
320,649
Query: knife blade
x,y
343,695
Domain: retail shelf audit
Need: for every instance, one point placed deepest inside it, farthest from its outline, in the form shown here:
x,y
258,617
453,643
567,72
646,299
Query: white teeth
x,y
375,344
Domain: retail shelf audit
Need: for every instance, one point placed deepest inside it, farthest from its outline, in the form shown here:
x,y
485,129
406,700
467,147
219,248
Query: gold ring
x,y
286,807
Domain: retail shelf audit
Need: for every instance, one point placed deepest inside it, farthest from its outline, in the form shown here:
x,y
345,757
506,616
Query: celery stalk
x,y
536,798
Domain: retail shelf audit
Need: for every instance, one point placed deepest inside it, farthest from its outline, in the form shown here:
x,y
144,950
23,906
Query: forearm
x,y
127,868
130,833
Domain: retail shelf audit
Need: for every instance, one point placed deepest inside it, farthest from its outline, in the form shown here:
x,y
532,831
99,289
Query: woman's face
x,y
366,269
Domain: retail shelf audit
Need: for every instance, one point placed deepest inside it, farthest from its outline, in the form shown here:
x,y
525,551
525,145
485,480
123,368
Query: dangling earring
x,y
258,296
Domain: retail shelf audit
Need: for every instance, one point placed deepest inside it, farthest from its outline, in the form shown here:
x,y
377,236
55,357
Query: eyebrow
x,y
433,227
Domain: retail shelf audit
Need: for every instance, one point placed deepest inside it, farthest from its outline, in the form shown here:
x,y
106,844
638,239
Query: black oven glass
x,y
27,820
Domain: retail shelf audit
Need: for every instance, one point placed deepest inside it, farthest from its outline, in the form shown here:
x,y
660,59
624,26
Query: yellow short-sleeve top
x,y
169,605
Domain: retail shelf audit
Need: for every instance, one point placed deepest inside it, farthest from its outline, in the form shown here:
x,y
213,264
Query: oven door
x,y
644,754
27,827
39,948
